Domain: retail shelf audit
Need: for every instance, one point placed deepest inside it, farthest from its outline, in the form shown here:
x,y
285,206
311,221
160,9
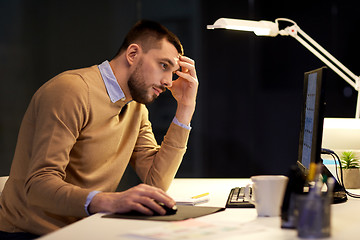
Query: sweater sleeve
x,y
157,165
57,115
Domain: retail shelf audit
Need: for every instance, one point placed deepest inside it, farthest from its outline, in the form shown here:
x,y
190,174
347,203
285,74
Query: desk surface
x,y
229,224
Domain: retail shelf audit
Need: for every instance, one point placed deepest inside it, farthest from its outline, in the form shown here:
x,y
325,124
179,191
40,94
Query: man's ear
x,y
132,53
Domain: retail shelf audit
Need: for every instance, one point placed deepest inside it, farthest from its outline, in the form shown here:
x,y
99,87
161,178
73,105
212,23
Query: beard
x,y
139,89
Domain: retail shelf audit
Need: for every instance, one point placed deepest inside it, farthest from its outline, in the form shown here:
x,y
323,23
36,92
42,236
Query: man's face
x,y
153,73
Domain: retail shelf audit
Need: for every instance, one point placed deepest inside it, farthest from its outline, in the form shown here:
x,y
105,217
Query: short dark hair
x,y
148,35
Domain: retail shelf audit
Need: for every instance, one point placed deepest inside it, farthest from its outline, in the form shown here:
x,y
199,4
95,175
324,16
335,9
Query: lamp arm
x,y
295,32
320,52
327,62
331,57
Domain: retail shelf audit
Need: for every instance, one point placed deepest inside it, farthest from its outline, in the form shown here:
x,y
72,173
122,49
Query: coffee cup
x,y
267,194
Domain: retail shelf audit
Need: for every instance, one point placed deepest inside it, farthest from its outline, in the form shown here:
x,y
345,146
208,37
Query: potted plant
x,y
351,169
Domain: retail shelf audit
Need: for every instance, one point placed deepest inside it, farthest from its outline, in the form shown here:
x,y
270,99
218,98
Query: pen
x,y
199,196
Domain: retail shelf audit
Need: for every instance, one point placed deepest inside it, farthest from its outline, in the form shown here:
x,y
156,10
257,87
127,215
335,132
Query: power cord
x,y
341,180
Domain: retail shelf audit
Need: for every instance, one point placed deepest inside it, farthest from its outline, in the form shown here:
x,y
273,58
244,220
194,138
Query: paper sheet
x,y
193,229
192,201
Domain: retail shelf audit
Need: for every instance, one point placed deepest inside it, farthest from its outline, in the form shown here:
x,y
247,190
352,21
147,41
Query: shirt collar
x,y
112,86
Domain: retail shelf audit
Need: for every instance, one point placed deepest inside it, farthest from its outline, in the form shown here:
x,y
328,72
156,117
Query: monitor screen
x,y
312,118
311,132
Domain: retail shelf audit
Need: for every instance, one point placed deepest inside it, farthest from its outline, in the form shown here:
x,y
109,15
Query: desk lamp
x,y
339,134
267,28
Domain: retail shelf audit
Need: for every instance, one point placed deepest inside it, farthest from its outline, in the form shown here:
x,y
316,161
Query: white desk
x,y
243,223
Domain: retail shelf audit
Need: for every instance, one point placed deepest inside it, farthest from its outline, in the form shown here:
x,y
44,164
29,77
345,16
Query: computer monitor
x,y
311,132
312,119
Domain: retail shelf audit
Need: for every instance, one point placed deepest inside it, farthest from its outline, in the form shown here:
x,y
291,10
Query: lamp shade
x,y
260,28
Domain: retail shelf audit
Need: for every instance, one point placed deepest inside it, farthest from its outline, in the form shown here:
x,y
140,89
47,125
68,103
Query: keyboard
x,y
236,199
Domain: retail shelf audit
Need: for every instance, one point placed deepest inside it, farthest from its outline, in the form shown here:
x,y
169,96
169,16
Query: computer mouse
x,y
169,211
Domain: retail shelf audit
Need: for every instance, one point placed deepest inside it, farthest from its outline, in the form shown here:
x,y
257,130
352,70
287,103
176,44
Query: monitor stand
x,y
339,193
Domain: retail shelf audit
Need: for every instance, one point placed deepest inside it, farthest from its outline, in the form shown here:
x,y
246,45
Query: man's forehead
x,y
171,51
172,61
168,53
176,59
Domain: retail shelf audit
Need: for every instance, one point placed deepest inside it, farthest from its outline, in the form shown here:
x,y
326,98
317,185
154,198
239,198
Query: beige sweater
x,y
74,140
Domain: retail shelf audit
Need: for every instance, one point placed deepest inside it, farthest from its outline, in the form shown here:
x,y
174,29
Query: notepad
x,y
192,200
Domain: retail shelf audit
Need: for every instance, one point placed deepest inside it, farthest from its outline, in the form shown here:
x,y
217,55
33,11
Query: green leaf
x,y
349,160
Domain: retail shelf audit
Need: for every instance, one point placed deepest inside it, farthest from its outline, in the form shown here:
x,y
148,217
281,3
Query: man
x,y
84,126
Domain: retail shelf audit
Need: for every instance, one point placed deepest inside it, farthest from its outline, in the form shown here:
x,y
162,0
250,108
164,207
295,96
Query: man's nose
x,y
167,80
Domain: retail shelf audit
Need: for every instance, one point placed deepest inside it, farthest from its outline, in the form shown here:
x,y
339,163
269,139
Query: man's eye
x,y
164,65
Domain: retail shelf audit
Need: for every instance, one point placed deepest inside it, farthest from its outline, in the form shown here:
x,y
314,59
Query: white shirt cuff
x,y
88,201
176,121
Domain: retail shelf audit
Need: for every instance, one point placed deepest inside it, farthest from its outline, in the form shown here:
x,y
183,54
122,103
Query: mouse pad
x,y
183,213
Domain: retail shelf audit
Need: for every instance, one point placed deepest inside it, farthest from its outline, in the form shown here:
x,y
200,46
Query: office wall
x,y
250,94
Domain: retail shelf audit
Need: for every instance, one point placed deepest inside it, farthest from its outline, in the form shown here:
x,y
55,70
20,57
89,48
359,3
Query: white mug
x,y
267,194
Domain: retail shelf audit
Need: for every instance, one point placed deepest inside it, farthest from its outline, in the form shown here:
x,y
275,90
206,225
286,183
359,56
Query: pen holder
x,y
313,220
290,216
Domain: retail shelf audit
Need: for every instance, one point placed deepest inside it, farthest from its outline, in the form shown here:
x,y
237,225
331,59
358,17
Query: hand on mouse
x,y
142,198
